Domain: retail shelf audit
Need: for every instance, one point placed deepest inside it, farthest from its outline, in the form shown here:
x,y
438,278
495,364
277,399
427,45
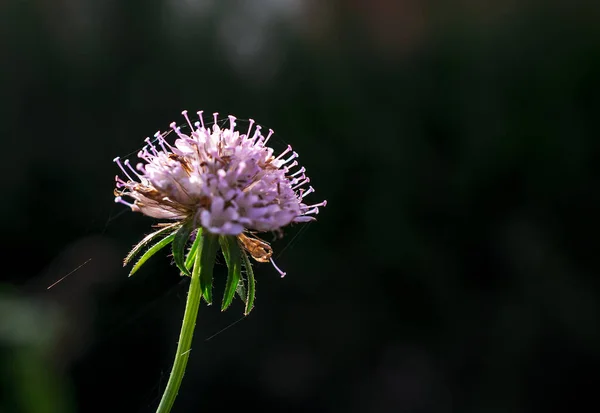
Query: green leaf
x,y
241,290
189,260
181,238
251,283
233,258
146,240
151,251
210,246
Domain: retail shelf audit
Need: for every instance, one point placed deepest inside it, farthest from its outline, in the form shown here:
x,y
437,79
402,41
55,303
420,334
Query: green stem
x,y
185,337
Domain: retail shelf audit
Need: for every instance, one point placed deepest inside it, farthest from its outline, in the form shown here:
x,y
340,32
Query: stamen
x,y
298,172
286,169
312,211
294,155
201,118
304,218
304,193
297,179
151,145
120,183
257,134
277,268
320,204
117,160
268,136
215,115
251,121
177,130
185,114
289,148
305,181
231,123
161,140
131,168
143,154
120,200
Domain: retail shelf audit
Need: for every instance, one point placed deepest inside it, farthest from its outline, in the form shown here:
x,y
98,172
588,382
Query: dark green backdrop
x,y
455,268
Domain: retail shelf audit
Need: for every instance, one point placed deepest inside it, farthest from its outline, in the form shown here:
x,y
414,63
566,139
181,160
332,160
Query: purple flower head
x,y
225,181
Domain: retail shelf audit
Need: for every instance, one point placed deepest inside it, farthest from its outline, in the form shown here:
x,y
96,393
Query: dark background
x,y
455,268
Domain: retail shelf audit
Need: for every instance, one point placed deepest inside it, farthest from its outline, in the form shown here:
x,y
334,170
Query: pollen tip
x,y
116,159
118,199
324,202
184,112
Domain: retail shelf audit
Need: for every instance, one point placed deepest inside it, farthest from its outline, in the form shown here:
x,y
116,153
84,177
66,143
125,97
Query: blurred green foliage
x,y
30,381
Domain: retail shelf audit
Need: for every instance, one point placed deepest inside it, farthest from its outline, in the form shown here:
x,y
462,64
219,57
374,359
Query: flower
x,y
224,181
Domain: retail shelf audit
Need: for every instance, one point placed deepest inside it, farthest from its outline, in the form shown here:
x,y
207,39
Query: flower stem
x,y
185,337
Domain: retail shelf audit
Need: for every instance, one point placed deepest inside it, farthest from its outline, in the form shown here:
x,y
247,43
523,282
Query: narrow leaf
x,y
241,290
209,248
146,240
231,252
189,260
224,248
181,238
151,251
251,283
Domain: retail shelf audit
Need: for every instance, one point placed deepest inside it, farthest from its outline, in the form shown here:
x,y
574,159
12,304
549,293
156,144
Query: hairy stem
x,y
185,336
